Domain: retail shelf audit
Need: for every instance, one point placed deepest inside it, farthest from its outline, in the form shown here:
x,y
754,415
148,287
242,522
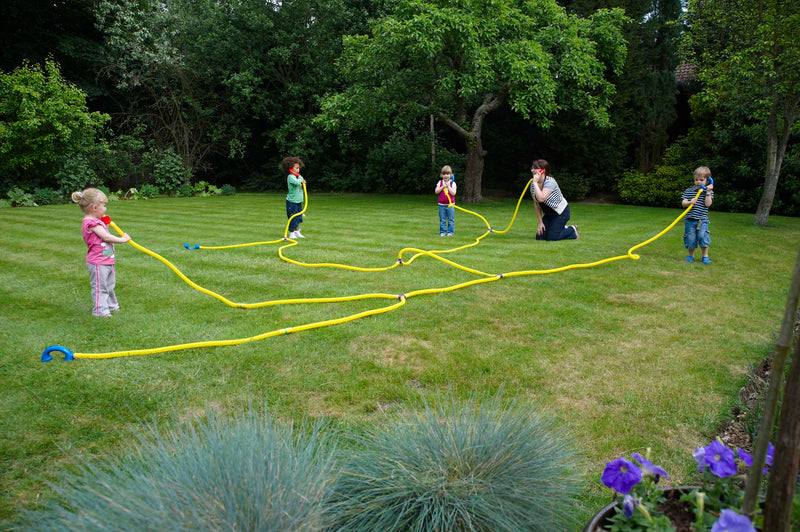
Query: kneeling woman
x,y
544,189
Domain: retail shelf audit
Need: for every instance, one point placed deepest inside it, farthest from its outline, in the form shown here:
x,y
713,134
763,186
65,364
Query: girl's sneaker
x,y
689,259
298,235
706,260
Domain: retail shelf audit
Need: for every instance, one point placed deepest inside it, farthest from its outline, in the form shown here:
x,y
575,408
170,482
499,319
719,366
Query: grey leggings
x,y
103,281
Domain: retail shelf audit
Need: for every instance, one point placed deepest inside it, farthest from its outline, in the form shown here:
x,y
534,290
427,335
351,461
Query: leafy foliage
x,y
148,191
19,198
749,60
661,189
168,170
77,174
573,186
640,502
62,30
402,164
204,76
733,146
45,196
185,190
44,123
462,61
482,464
148,48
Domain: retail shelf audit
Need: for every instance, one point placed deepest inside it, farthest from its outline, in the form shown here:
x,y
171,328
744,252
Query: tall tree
x,y
644,106
64,30
216,79
748,52
461,60
650,80
289,67
156,85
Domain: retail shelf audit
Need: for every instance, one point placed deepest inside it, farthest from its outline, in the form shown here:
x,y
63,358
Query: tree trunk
x,y
776,148
783,475
474,171
779,353
472,136
433,147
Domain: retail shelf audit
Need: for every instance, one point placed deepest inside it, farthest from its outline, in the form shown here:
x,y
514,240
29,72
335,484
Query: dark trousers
x,y
555,226
291,210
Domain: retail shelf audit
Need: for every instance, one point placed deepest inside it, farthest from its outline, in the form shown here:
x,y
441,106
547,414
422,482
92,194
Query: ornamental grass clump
x,y
713,505
478,465
244,471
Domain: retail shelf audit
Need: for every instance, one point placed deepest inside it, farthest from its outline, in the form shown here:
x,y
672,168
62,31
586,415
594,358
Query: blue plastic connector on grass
x,y
196,246
46,357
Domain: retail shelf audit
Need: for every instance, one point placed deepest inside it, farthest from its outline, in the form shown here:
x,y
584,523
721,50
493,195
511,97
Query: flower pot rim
x,y
594,524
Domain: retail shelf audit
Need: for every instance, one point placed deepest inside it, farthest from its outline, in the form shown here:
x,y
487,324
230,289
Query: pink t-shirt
x,y
443,195
99,252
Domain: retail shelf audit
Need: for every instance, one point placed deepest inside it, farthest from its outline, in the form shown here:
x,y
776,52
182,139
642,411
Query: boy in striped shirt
x,y
696,223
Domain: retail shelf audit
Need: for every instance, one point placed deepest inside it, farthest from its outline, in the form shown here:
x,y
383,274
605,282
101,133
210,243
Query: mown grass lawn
x,y
629,355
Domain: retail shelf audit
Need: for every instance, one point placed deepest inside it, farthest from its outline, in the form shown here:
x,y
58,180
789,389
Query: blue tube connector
x,y
187,246
46,357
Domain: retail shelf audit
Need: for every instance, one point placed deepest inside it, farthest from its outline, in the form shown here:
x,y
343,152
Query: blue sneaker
x,y
706,260
689,259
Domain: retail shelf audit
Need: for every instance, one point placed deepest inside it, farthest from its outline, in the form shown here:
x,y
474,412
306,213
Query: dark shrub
x,y
185,190
168,170
148,191
575,187
45,196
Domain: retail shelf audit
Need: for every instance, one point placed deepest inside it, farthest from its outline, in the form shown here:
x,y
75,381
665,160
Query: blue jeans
x,y
447,219
555,226
292,209
695,234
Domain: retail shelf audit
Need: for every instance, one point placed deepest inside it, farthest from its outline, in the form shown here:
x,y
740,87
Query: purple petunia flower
x,y
621,475
648,467
720,460
629,504
747,458
730,521
699,456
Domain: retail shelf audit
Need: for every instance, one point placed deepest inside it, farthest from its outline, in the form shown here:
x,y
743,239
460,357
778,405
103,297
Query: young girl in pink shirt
x,y
100,254
446,191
